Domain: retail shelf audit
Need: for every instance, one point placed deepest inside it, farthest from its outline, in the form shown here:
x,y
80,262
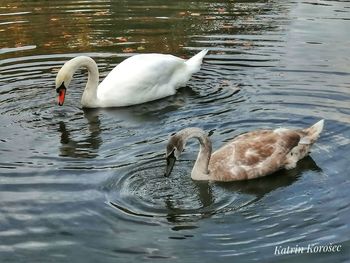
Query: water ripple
x,y
145,192
78,183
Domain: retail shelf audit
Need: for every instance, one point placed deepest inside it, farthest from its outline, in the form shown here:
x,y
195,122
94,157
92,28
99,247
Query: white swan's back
x,y
146,77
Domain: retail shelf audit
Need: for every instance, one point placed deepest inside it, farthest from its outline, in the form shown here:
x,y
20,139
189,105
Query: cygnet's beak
x,y
61,90
170,162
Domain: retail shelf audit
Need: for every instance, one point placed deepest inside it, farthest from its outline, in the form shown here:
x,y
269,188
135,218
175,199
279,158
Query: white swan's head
x,y
174,149
63,79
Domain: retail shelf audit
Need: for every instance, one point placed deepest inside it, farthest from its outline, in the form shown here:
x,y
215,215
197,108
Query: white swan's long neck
x,y
200,169
89,97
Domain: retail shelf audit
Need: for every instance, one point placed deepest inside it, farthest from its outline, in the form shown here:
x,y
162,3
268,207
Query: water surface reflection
x,y
86,147
271,64
146,193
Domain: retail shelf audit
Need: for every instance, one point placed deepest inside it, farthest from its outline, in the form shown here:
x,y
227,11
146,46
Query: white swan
x,y
138,79
250,155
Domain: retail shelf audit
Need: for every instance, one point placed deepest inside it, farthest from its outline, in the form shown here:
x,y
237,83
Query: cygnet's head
x,y
174,149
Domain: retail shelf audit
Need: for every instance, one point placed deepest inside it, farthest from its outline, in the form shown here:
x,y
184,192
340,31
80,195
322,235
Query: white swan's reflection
x,y
86,146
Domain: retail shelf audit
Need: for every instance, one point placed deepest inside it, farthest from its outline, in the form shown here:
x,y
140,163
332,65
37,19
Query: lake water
x,y
82,185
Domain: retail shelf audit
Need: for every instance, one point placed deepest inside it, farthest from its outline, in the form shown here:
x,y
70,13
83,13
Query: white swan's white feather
x,y
143,78
138,79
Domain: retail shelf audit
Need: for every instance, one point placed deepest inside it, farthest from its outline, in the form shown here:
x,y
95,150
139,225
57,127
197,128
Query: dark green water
x,y
271,64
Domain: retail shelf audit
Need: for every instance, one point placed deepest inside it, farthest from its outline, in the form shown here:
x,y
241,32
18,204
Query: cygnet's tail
x,y
308,137
195,62
312,133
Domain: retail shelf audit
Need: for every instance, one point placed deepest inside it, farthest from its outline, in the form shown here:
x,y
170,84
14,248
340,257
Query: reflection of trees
x,y
127,26
52,26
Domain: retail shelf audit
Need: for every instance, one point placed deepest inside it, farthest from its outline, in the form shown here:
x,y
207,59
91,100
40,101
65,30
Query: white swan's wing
x,y
143,78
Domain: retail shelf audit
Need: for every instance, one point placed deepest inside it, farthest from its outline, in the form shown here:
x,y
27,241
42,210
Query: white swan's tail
x,y
195,62
312,133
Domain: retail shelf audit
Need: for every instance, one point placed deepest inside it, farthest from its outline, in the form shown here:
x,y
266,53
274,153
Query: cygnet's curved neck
x,y
89,97
200,169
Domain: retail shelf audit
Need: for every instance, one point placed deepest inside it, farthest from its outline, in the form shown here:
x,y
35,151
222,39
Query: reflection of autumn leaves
x,y
52,28
130,50
216,18
120,27
188,13
124,41
59,27
102,13
220,10
48,44
121,39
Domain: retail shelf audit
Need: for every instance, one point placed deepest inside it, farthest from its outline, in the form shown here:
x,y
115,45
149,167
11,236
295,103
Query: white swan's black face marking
x,y
61,90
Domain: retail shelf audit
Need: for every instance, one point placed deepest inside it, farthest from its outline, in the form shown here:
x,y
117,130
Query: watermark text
x,y
310,249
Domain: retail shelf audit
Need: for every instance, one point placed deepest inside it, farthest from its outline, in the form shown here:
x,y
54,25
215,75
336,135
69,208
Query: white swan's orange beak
x,y
61,94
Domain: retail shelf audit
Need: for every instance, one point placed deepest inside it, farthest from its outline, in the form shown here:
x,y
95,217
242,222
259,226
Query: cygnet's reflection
x,y
256,188
209,198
